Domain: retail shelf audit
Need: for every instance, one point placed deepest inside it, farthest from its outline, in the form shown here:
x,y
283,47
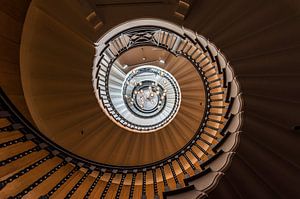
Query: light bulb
x,y
162,61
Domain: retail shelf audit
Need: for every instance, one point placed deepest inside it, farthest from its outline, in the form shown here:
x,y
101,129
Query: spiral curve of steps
x,y
266,143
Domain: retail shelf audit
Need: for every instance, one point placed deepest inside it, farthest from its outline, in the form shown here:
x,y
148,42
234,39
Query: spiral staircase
x,y
65,133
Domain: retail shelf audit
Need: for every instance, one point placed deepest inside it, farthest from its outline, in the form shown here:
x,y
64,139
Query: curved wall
x,y
12,16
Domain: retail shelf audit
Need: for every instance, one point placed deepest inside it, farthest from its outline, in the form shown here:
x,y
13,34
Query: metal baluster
x,y
188,49
166,186
132,184
213,106
185,44
174,174
209,69
199,62
72,191
206,64
186,175
24,171
204,141
11,142
195,155
20,155
210,135
192,54
216,121
40,180
211,75
92,187
217,86
155,189
104,192
190,163
61,182
217,93
215,80
121,184
201,149
144,196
